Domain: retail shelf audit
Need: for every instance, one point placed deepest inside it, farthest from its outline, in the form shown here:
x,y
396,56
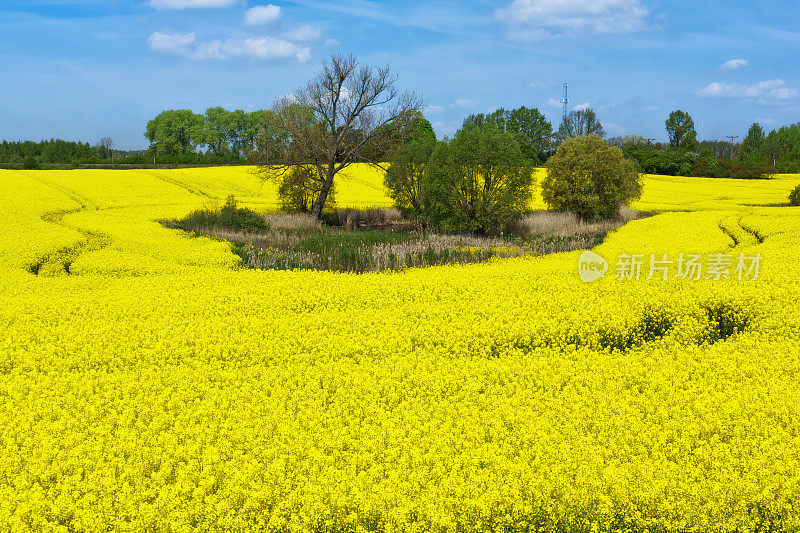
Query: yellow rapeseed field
x,y
149,383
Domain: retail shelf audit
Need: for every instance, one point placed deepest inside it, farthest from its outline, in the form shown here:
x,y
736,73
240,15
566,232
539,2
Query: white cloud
x,y
264,48
175,43
261,15
581,107
431,109
533,20
162,5
304,33
735,64
770,89
539,84
332,42
554,103
464,102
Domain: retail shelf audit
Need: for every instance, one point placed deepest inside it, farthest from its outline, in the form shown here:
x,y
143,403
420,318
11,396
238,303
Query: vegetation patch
x,y
794,196
375,240
229,217
725,319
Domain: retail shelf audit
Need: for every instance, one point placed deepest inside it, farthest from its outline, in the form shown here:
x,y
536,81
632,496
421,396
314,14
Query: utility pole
x,y
732,138
564,103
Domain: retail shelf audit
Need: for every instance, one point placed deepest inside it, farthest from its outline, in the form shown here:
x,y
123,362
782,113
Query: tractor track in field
x,y
59,261
741,235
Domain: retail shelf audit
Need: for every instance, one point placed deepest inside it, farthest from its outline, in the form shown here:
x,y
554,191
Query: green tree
x,y
240,128
533,132
216,132
529,125
579,123
752,147
590,178
479,181
680,128
254,124
30,163
177,131
409,162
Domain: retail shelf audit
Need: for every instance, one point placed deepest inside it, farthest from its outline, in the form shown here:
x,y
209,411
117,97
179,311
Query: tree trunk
x,y
319,204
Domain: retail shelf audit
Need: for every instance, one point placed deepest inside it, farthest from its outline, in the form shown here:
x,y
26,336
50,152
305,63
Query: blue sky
x,y
84,69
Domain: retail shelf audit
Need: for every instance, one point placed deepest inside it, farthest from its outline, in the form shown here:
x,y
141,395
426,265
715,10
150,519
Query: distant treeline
x,y
757,155
54,151
222,137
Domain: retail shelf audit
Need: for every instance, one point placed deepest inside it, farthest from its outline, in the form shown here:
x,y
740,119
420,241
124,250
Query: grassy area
x,y
380,239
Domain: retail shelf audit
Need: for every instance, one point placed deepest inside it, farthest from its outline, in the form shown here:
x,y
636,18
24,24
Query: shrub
x,y
479,181
299,189
30,163
741,170
229,217
233,217
706,165
590,178
406,171
794,197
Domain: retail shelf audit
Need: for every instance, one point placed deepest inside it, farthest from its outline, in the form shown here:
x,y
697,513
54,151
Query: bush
x,y
299,188
479,181
590,178
741,170
30,163
794,197
233,217
230,217
406,172
707,165
665,162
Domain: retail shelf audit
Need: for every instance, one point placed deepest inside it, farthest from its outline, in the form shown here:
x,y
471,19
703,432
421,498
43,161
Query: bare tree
x,y
348,113
579,123
105,144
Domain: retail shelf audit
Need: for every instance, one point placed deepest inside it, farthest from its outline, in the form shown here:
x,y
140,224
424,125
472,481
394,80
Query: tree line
x,y
217,133
758,155
54,151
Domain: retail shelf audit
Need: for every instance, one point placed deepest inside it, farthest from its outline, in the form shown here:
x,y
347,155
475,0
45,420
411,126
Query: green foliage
x,y
479,181
652,161
579,123
528,125
229,217
680,128
176,131
724,320
299,188
752,148
225,133
748,171
590,178
53,151
782,148
707,165
406,171
30,163
794,196
216,132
